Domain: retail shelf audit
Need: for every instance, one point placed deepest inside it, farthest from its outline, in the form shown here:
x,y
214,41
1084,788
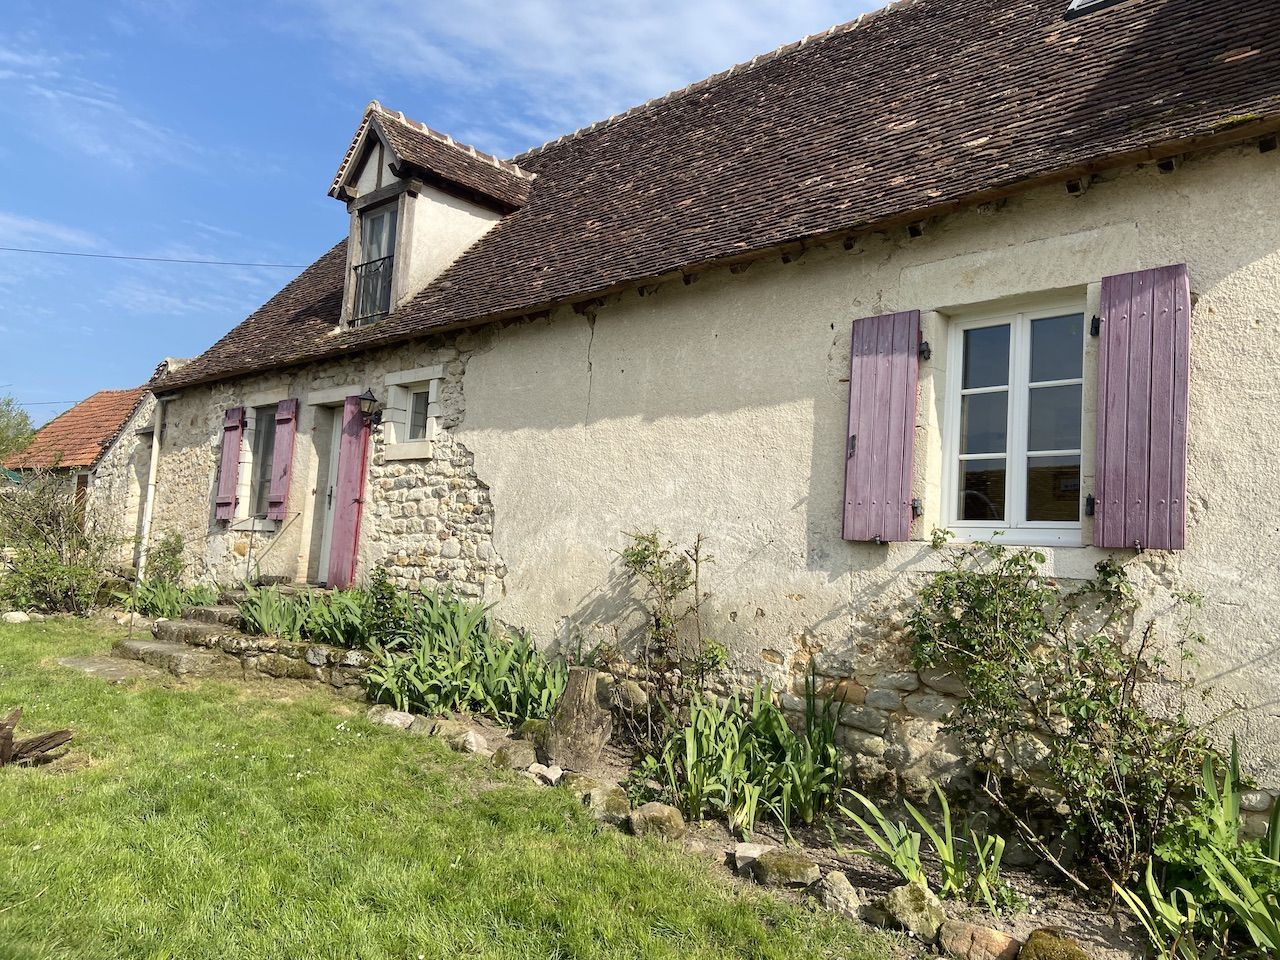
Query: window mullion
x,y
1019,375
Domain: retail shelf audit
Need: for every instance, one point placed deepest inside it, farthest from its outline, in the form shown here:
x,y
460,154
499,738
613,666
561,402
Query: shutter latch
x,y
917,508
1090,505
853,446
1095,326
926,351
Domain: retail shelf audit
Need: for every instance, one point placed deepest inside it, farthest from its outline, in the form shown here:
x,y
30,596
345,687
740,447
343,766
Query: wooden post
x,y
580,727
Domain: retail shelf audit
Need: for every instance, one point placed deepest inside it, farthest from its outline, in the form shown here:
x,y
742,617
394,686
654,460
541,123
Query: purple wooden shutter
x,y
282,459
1144,367
884,368
229,468
348,499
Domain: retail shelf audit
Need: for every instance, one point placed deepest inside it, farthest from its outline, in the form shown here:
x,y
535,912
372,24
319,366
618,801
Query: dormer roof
x,y
438,159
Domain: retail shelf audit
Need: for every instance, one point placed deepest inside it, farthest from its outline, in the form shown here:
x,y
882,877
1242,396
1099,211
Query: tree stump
x,y
33,750
580,727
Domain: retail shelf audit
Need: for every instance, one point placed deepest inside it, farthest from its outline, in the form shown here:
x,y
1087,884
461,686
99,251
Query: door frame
x,y
331,481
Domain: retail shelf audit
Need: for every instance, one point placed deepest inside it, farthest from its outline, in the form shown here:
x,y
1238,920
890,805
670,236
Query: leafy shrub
x,y
969,866
1050,668
674,653
439,652
58,555
165,598
165,561
741,760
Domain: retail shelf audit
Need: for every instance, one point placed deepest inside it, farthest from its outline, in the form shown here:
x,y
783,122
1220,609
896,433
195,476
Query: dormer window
x,y
417,201
377,257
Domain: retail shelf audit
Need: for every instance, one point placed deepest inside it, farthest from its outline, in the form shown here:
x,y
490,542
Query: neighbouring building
x,y
103,446
1003,268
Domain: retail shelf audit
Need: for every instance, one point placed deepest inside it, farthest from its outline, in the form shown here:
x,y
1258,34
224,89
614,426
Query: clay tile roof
x,y
439,157
905,113
78,438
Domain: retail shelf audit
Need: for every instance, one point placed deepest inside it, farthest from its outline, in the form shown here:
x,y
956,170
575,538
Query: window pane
x,y
264,447
1054,418
984,418
986,357
418,416
1053,488
378,233
982,489
1057,348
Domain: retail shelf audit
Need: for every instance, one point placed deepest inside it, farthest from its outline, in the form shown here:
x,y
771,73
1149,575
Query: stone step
x,y
226,614
195,632
178,658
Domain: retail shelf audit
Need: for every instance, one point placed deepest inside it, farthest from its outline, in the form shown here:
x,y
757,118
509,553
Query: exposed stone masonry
x,y
432,522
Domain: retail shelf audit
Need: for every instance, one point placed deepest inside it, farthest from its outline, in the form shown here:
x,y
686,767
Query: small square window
x,y
419,415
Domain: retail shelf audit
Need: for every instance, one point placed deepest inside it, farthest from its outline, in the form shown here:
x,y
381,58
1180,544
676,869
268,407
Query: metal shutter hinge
x,y
1090,505
1095,326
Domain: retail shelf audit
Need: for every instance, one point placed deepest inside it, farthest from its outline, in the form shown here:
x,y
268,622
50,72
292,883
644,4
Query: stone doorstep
x,y
189,632
178,658
226,614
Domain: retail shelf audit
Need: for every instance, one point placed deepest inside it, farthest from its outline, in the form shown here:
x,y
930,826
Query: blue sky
x,y
182,128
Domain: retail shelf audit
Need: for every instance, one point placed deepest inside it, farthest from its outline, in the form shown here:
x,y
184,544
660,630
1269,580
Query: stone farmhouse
x,y
1006,268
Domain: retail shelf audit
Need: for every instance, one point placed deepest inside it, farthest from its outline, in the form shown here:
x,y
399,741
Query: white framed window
x,y
1014,425
413,405
420,414
261,459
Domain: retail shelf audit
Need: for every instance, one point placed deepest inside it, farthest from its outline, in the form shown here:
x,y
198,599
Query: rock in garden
x,y
657,820
468,741
1050,943
835,893
535,731
548,775
970,941
384,715
784,868
913,908
745,854
16,617
606,802
631,697
515,755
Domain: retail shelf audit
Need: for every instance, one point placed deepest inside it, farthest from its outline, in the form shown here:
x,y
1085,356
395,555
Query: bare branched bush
x,y
56,556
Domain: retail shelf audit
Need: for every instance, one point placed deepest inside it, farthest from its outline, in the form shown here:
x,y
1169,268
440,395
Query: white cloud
x,y
17,231
531,70
49,93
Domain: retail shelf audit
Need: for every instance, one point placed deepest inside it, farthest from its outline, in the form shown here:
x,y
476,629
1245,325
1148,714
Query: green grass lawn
x,y
218,820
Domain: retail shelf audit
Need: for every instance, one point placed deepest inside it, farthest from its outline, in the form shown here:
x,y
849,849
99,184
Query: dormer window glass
x,y
377,256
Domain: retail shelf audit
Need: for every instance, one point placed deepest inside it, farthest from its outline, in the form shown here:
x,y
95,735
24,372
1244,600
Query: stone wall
x,y
119,482
428,520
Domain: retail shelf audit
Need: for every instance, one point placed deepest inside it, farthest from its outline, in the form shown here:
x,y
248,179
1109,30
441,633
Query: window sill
x,y
408,450
1020,537
254,525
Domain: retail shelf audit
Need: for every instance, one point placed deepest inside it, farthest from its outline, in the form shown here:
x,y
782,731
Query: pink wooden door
x,y
348,495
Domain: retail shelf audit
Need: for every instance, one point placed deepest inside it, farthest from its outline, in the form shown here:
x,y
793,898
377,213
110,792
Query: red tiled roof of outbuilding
x,y
78,438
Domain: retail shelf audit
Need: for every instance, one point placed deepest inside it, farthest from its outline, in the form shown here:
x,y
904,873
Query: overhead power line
x,y
120,256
